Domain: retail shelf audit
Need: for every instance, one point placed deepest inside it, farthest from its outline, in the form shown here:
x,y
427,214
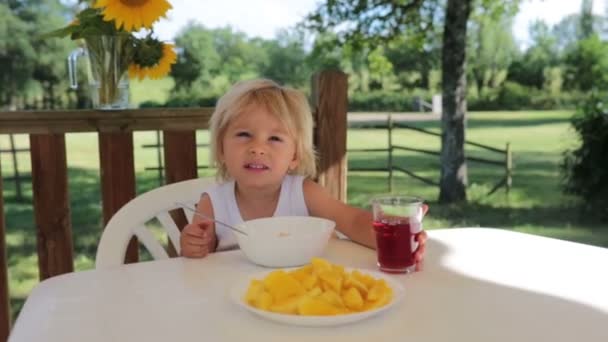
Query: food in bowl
x,y
284,241
318,289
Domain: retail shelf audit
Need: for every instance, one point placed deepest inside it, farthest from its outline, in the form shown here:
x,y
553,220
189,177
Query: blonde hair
x,y
288,105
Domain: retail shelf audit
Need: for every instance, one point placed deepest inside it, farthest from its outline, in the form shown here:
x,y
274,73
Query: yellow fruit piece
x,y
287,306
310,281
352,299
302,273
254,290
263,301
319,265
282,285
377,290
364,278
338,269
379,295
331,281
385,298
332,298
316,291
351,281
316,307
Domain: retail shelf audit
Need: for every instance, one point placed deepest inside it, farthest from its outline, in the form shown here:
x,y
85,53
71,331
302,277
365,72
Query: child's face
x,y
257,149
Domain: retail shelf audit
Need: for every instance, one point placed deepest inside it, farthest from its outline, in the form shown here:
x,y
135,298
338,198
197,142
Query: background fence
x,y
390,125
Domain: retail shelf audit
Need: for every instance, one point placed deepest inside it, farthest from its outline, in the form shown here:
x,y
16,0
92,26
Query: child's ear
x,y
295,161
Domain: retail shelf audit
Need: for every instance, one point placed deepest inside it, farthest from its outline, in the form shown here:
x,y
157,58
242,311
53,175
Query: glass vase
x,y
108,58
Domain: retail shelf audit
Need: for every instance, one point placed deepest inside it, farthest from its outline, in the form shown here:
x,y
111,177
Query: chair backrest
x,y
131,221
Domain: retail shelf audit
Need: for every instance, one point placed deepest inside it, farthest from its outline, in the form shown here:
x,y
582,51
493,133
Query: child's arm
x,y
353,222
198,238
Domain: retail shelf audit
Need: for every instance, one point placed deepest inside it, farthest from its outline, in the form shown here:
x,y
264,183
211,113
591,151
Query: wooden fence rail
x,y
115,129
390,126
17,177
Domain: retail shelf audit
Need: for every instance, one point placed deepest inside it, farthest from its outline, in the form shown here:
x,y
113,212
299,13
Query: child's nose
x,y
256,149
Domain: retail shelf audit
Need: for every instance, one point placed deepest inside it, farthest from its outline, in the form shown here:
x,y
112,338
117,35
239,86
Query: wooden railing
x,y
115,129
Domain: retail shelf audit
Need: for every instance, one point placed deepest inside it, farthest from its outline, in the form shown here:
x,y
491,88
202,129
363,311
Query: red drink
x,y
394,245
397,221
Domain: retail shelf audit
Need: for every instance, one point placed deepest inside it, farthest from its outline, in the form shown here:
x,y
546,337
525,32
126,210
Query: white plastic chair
x,y
131,220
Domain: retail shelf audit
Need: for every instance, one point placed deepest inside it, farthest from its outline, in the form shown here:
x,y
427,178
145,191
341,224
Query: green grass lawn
x,y
535,204
149,90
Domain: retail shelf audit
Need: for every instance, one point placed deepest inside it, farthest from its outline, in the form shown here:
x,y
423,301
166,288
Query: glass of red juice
x,y
397,223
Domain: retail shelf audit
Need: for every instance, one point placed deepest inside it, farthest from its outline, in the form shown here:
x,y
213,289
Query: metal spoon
x,y
196,212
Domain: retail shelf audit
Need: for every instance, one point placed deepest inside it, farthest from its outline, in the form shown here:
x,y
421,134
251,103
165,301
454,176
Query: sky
x,y
263,18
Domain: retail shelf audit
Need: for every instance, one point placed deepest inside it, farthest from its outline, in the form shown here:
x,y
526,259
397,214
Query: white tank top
x,y
291,203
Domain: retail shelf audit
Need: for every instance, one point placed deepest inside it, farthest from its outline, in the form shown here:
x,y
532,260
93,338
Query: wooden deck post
x,y
117,179
508,168
389,124
51,204
180,165
5,319
329,106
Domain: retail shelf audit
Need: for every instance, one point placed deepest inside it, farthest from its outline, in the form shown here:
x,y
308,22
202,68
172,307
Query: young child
x,y
262,146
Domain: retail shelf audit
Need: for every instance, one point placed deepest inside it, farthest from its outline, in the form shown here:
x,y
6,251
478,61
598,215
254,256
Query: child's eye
x,y
275,138
243,134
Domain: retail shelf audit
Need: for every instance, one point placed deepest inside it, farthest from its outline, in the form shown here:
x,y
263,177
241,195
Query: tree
x,y
491,43
529,69
569,30
586,23
586,65
197,59
366,23
29,64
410,58
453,179
17,55
286,59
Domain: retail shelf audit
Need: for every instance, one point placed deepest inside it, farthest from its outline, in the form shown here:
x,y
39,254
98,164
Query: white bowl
x,y
284,241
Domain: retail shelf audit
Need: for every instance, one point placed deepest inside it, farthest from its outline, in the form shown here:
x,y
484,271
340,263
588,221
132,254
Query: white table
x,y
478,285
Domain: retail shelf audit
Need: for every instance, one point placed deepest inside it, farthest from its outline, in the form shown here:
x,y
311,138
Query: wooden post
x,y
5,318
117,179
389,122
329,106
15,167
180,163
51,204
159,158
509,168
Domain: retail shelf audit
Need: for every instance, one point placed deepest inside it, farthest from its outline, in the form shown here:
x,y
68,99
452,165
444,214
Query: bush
x,y
187,101
586,168
387,101
514,96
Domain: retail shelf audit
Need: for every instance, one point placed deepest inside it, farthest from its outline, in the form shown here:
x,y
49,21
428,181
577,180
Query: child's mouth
x,y
256,167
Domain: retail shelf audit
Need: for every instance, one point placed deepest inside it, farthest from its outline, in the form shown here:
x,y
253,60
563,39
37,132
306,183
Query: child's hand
x,y
419,254
421,238
196,240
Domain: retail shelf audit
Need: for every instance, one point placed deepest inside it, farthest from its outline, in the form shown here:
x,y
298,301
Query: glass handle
x,y
72,67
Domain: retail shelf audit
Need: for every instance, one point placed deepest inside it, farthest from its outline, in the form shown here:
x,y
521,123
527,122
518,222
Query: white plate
x,y
240,288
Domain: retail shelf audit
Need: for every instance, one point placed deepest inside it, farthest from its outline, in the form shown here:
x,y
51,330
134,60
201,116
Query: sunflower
x,y
149,63
132,15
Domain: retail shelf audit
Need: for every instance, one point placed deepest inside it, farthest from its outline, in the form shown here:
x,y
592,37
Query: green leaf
x,y
60,33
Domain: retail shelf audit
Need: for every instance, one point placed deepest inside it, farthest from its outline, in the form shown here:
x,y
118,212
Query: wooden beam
x,y
117,179
44,121
5,318
51,204
330,99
